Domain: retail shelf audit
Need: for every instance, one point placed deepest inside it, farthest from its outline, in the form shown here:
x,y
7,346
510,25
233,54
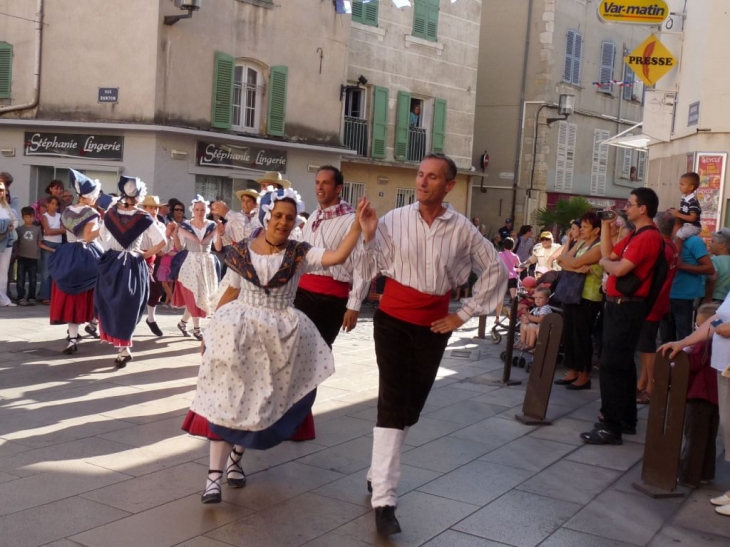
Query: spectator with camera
x,y
630,265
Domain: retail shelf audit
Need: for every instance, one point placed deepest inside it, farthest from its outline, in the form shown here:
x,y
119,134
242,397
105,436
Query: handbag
x,y
570,287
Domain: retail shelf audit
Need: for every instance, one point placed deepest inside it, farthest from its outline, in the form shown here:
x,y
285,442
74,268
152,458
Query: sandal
x,y
643,398
234,472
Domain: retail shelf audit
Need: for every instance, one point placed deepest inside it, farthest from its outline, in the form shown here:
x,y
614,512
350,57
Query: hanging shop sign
x,y
240,157
650,61
68,145
633,12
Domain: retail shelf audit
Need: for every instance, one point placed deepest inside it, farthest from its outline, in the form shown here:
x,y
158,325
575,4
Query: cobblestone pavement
x,y
94,456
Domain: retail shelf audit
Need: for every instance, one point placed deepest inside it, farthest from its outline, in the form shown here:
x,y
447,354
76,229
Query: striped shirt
x,y
238,227
329,234
435,259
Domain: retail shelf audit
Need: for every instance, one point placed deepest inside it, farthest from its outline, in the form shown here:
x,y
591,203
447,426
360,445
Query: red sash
x,y
413,306
326,285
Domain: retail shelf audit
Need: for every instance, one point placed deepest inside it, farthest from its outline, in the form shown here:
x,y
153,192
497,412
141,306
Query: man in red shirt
x,y
647,340
624,314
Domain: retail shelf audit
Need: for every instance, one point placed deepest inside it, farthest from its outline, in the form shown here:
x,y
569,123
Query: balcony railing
x,y
416,143
356,135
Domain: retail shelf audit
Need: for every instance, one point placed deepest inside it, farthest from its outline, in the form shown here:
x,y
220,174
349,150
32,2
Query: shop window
x,y
214,188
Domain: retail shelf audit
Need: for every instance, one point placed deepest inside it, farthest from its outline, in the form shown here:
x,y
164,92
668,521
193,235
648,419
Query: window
x,y
633,89
404,196
599,167
365,13
214,188
238,92
247,92
573,52
567,133
352,192
633,165
6,69
426,19
414,118
355,124
605,75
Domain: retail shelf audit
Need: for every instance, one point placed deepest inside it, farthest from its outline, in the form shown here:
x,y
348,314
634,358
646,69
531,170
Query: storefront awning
x,y
640,141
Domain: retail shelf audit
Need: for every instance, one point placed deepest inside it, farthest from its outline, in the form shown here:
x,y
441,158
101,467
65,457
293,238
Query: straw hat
x,y
546,235
274,177
151,201
250,193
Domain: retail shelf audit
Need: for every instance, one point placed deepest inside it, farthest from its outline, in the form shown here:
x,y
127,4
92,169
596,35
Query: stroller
x,y
502,326
522,357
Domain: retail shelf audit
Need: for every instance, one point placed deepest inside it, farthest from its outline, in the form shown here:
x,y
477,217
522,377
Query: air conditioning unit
x,y
190,5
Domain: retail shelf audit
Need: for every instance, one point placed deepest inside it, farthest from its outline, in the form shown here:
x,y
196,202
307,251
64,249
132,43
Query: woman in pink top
x,y
511,261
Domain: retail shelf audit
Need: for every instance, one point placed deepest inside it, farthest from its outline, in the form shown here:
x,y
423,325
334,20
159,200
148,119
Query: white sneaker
x,y
723,510
721,500
11,305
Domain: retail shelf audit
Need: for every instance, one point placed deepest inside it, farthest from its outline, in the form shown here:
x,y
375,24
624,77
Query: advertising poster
x,y
711,169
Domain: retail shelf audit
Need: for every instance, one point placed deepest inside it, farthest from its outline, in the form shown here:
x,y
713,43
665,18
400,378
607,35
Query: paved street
x,y
93,456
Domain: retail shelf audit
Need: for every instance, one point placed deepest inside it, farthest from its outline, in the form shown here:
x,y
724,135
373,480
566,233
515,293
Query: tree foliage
x,y
564,211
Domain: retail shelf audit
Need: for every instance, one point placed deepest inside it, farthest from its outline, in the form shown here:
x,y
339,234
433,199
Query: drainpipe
x,y
521,121
37,71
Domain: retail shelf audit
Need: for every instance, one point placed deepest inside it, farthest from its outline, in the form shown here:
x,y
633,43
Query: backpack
x,y
660,271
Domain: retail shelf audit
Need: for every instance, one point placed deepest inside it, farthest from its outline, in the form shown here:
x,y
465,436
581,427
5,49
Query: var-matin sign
x,y
635,12
651,60
68,145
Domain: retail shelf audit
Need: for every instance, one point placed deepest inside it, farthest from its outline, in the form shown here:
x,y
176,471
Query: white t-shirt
x,y
54,222
720,344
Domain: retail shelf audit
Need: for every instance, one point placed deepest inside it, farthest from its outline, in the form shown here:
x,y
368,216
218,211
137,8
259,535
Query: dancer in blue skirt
x,y
122,287
263,359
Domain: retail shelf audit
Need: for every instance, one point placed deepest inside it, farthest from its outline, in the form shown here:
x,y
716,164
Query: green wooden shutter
x,y
277,100
380,122
420,14
6,69
222,102
403,111
432,20
439,125
366,14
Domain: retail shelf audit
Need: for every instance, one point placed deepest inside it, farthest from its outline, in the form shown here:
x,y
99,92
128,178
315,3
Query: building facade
x,y
692,130
411,90
531,52
204,105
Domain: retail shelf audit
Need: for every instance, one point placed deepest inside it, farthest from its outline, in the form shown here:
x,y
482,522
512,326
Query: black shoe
x,y
154,328
198,334
575,387
564,382
91,330
235,468
122,360
601,436
212,493
72,345
385,521
626,429
370,487
183,327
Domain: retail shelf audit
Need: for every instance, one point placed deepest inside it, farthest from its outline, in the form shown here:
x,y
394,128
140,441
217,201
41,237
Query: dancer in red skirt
x,y
73,266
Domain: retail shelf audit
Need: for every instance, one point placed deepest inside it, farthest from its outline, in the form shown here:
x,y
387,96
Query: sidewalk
x,y
94,456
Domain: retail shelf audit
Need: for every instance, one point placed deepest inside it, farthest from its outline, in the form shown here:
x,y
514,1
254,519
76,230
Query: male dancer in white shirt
x,y
331,298
424,250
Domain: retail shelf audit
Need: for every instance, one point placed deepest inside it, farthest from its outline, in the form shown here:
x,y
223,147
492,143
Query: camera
x,y
606,215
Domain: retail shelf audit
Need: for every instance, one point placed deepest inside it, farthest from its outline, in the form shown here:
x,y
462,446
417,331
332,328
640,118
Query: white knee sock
x,y
73,330
151,314
196,322
385,466
186,316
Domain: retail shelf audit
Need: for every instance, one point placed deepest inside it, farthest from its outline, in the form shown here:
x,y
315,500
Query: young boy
x,y
531,322
697,462
29,238
687,218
